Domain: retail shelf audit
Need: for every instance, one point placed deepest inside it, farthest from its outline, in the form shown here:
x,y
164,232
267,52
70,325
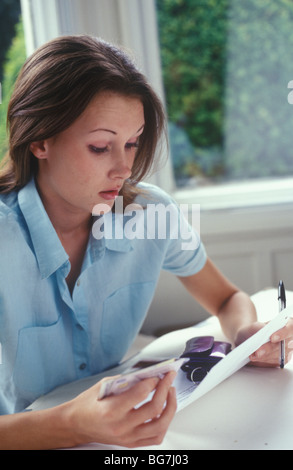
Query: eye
x,y
98,150
131,145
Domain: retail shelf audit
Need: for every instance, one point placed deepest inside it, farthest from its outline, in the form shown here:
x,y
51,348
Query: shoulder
x,y
152,194
8,205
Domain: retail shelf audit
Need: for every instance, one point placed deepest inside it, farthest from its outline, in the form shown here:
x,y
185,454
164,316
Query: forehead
x,y
114,112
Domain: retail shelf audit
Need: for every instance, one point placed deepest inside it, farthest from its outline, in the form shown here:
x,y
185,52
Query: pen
x,y
282,305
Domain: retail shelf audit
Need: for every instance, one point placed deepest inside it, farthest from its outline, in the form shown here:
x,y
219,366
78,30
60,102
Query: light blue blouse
x,y
49,337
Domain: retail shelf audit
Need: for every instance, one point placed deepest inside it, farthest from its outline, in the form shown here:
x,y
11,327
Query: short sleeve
x,y
184,252
184,263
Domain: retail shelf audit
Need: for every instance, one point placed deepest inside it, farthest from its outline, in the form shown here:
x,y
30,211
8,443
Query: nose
x,y
122,166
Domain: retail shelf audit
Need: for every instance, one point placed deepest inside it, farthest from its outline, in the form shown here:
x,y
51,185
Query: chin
x,y
102,208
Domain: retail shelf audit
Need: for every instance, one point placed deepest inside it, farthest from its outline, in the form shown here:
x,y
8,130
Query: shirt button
x,y
82,366
78,282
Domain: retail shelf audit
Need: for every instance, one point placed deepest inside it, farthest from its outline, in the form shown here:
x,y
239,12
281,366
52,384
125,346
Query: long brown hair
x,y
54,87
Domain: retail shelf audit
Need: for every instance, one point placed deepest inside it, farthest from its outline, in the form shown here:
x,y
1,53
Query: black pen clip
x,y
282,294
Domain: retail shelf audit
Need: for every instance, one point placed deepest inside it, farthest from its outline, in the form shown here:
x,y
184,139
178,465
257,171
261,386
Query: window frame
x,y
44,20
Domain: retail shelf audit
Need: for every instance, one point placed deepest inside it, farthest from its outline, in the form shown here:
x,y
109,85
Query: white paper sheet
x,y
173,345
234,361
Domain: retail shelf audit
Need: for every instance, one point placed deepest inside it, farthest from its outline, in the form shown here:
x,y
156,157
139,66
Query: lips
x,y
109,195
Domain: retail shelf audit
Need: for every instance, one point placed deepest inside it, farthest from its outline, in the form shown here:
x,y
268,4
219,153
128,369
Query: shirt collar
x,y
48,249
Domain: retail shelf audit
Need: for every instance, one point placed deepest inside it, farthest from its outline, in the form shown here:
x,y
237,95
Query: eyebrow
x,y
113,132
104,130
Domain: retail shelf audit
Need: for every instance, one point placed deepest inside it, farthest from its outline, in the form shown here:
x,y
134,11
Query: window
x,y
226,69
12,57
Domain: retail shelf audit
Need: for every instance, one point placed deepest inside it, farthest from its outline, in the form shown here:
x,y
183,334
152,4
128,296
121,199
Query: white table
x,y
250,410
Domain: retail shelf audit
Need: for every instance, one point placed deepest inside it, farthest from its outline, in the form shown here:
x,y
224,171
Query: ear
x,y
39,149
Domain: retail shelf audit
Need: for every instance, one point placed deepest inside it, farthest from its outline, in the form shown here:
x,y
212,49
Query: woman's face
x,y
87,164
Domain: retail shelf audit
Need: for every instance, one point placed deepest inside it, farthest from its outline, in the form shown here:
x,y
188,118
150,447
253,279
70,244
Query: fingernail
x,y
276,338
260,353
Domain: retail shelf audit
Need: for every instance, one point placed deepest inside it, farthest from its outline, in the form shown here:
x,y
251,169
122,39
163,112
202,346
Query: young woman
x,y
84,127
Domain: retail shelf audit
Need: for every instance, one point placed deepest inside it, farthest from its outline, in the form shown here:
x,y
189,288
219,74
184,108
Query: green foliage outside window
x,y
14,60
9,16
226,67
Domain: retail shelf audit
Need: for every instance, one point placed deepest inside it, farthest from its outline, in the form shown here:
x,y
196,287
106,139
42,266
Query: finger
x,y
284,333
154,408
269,355
155,430
143,434
137,394
265,351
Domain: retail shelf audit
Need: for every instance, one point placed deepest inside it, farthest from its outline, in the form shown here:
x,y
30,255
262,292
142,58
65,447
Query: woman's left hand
x,y
268,355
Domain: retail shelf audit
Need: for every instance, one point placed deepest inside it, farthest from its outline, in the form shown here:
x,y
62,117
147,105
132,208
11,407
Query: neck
x,y
66,219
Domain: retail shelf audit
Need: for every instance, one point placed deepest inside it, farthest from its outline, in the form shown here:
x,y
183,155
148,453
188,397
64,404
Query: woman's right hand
x,y
116,420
